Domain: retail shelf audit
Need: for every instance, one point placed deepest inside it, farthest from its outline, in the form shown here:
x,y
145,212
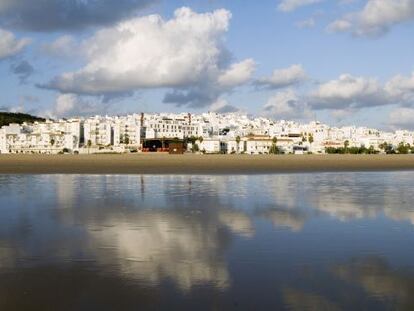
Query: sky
x,y
342,62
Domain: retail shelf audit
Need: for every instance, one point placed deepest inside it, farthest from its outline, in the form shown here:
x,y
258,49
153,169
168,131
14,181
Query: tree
x,y
388,148
200,139
195,148
9,117
192,139
52,142
371,150
346,145
403,148
238,143
89,144
274,149
310,139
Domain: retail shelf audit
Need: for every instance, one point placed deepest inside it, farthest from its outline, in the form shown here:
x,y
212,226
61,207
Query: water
x,y
332,241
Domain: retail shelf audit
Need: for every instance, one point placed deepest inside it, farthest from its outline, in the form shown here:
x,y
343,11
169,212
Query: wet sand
x,y
199,164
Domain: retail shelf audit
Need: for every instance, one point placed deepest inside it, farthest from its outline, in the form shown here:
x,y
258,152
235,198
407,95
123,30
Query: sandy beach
x,y
198,164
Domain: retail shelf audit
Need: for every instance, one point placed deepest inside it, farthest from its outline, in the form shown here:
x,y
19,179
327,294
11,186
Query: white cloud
x,y
281,78
349,92
402,118
185,53
344,96
291,5
238,73
70,105
64,46
402,88
222,106
376,17
286,105
9,45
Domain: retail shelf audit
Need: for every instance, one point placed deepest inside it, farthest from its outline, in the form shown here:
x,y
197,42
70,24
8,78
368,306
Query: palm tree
x,y
274,149
346,145
310,139
89,143
238,143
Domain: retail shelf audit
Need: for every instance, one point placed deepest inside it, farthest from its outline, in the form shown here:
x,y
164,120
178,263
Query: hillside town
x,y
230,133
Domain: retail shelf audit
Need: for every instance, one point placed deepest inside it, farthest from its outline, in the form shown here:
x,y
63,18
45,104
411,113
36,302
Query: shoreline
x,y
200,164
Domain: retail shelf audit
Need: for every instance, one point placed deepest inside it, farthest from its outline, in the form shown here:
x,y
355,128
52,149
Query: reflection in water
x,y
292,219
299,300
180,241
153,246
380,281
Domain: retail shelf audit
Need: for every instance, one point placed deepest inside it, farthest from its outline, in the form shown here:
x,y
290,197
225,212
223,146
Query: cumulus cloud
x,y
70,105
185,53
376,17
238,73
291,5
222,106
56,15
286,105
63,47
281,78
402,117
10,45
344,96
23,70
402,88
349,92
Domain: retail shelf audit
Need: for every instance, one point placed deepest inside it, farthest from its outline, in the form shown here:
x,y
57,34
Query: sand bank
x,y
199,164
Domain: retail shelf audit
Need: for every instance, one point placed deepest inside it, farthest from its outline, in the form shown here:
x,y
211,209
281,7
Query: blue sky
x,y
338,61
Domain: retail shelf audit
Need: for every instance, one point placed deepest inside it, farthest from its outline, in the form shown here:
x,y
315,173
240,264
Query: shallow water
x,y
331,241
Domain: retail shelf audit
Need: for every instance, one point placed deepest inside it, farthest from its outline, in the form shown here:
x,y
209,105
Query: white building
x,y
220,133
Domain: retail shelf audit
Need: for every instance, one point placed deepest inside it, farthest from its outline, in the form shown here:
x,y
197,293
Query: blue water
x,y
322,241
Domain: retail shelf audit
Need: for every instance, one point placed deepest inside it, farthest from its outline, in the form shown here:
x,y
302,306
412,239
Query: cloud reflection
x,y
380,280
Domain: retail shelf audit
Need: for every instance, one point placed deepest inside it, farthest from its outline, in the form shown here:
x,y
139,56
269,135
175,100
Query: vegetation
x,y
195,148
9,117
89,144
310,138
404,148
126,139
387,148
351,150
191,139
238,143
274,149
401,148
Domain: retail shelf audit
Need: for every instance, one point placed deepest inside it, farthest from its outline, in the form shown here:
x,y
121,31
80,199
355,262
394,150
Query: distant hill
x,y
9,117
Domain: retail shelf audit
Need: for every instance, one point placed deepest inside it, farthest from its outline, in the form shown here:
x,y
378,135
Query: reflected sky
x,y
291,241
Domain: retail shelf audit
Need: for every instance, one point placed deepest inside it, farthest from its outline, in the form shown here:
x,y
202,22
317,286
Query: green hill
x,y
9,117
